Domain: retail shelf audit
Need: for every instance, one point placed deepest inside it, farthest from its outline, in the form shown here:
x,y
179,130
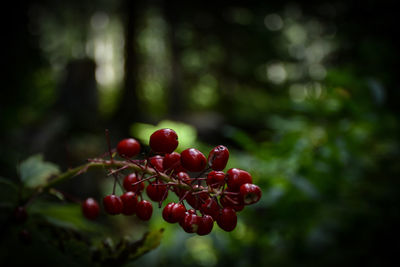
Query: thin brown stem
x,y
102,163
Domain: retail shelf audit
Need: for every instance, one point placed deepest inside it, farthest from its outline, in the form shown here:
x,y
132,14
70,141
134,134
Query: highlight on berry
x,y
205,193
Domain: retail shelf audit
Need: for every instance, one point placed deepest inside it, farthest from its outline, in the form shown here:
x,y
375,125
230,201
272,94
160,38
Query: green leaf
x,y
127,250
151,240
35,172
64,215
187,133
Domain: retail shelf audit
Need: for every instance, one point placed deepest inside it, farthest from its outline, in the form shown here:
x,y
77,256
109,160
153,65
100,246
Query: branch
x,y
102,163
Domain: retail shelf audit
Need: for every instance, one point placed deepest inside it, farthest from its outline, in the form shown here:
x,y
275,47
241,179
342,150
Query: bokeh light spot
x,y
297,92
273,22
276,73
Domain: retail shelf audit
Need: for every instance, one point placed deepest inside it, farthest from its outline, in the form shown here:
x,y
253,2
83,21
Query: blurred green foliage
x,y
303,94
55,224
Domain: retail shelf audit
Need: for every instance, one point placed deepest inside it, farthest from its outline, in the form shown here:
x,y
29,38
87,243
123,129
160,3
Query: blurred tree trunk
x,y
128,109
78,97
175,92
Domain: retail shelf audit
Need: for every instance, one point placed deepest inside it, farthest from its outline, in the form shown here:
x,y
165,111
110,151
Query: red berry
x,y
210,207
184,177
227,202
205,226
195,200
128,147
190,222
193,160
203,195
131,179
218,158
157,191
179,192
227,219
192,211
178,212
236,177
144,210
157,163
90,208
129,201
172,161
112,204
215,179
20,214
173,212
250,193
167,213
164,141
189,211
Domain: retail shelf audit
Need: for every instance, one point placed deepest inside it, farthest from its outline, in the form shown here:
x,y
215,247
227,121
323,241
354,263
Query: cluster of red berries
x,y
200,182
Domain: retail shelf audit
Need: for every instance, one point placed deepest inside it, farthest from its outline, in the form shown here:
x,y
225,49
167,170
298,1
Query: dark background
x,y
305,95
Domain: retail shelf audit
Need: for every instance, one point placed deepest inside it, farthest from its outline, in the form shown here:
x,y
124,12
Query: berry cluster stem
x,y
102,163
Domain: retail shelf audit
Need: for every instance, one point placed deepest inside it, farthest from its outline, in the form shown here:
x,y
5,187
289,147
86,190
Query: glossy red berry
x,y
227,219
231,202
144,210
129,180
189,211
178,212
205,225
172,162
218,158
157,163
195,200
250,193
90,208
193,160
128,147
157,191
215,179
203,195
167,213
236,177
210,207
112,204
192,211
184,177
173,212
164,141
190,222
129,201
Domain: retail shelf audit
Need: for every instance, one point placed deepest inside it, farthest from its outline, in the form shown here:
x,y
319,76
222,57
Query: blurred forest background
x,y
305,96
